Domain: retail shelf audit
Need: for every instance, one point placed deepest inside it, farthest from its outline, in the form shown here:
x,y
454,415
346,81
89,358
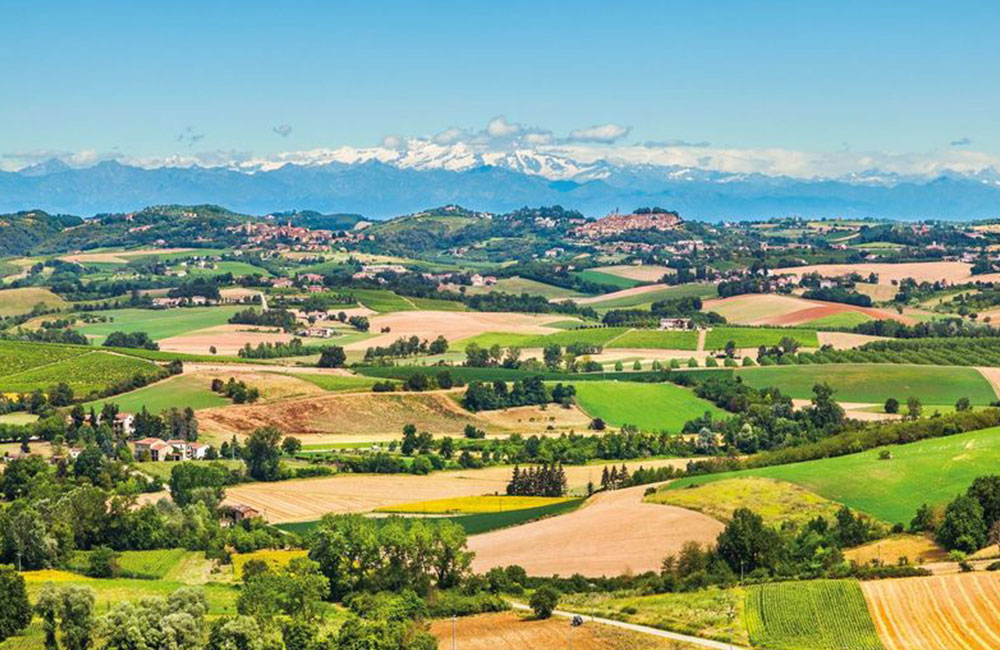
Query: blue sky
x,y
154,79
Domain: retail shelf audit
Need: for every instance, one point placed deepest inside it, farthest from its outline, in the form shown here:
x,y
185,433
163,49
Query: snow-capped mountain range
x,y
409,175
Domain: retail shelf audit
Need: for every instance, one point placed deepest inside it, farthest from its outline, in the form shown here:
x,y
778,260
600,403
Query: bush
x,y
103,563
544,601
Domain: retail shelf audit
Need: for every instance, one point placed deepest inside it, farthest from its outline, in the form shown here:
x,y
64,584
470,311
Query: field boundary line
x,y
702,335
642,629
612,340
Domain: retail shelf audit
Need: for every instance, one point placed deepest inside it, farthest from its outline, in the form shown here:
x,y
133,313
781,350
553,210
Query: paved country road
x,y
642,629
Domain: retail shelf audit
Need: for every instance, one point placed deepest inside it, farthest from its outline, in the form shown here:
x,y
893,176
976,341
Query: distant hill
x,y
22,231
317,221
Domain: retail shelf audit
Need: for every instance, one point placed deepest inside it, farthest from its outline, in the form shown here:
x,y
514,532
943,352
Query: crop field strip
x,y
955,612
752,337
84,373
810,615
17,356
649,406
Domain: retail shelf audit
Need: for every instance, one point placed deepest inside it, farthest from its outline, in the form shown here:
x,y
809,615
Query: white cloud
x,y
605,133
499,127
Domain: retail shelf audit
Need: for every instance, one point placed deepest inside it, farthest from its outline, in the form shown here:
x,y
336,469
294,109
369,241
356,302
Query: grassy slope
x,y
160,323
657,340
607,278
775,501
843,319
180,391
701,289
651,407
752,337
18,356
876,382
337,383
517,285
21,301
929,471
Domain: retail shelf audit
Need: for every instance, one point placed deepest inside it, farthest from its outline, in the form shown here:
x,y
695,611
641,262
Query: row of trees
x,y
486,397
543,481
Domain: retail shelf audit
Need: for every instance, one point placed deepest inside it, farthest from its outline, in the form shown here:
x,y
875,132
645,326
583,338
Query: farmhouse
x,y
158,450
237,512
163,450
676,324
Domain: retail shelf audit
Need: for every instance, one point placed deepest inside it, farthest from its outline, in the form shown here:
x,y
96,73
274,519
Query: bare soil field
x,y
774,309
856,410
614,533
624,293
453,325
992,375
954,612
512,631
845,340
120,257
877,292
953,272
310,499
237,293
227,339
360,417
521,417
640,272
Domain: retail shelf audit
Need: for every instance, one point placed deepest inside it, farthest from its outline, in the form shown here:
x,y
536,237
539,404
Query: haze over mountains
x,y
381,182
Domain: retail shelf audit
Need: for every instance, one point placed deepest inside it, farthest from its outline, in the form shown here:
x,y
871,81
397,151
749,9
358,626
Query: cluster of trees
x,y
943,328
969,522
542,481
138,340
359,323
293,348
171,424
481,396
206,287
332,356
525,303
406,347
616,478
687,307
238,391
266,317
838,294
751,284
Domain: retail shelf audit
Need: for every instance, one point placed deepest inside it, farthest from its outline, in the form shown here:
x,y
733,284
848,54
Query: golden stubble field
x,y
954,612
453,325
614,533
309,499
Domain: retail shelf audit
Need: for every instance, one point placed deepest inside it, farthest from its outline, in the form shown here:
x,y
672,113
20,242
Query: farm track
x,y
643,629
955,612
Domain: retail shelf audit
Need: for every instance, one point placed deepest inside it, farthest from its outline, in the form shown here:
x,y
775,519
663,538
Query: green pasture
x,y
930,471
753,337
159,323
181,391
876,382
651,407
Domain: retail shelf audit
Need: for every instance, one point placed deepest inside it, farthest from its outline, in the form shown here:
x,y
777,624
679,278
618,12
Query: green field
x,y
517,285
236,268
145,565
600,277
700,289
810,615
876,382
657,340
159,323
843,319
180,391
435,304
651,407
85,374
592,336
337,383
382,300
472,505
475,524
930,471
14,302
753,337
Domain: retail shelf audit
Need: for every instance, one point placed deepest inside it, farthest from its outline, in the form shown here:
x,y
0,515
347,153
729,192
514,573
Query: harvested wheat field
x,y
953,272
955,612
512,631
227,339
119,257
614,533
453,325
845,340
640,272
917,549
355,417
624,293
992,375
310,499
273,386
